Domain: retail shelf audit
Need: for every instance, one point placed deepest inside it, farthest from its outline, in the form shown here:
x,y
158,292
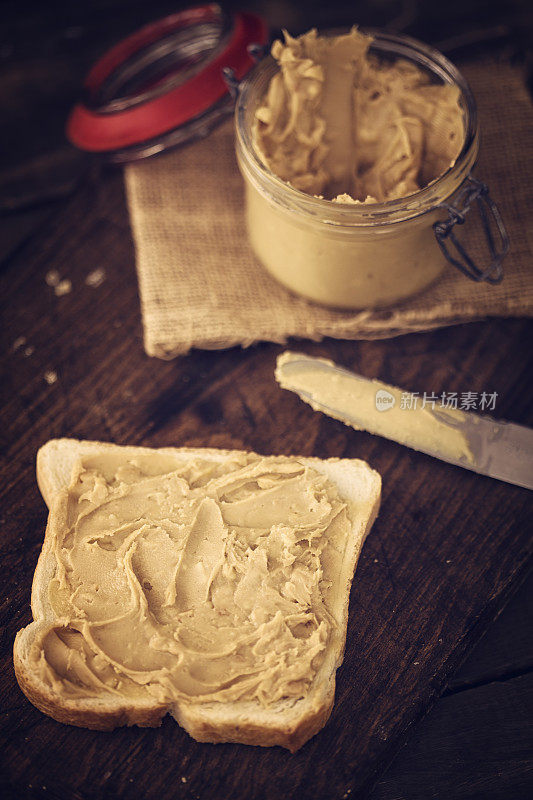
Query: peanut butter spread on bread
x,y
189,579
339,123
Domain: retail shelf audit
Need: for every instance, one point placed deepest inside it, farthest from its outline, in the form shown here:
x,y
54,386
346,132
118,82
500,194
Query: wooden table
x,y
447,552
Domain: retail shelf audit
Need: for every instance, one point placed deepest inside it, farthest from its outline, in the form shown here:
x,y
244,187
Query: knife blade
x,y
502,450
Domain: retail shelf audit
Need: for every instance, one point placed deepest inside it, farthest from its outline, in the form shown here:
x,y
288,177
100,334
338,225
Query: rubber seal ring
x,y
103,131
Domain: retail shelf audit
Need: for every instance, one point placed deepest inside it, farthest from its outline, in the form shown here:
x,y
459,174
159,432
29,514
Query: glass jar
x,y
364,255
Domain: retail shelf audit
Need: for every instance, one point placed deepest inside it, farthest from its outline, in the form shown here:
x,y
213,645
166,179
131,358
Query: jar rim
x,y
414,204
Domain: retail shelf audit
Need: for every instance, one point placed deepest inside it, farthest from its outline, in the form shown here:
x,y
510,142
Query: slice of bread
x,y
288,721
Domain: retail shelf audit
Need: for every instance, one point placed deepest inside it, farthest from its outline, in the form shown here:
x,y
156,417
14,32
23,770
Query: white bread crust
x,y
289,724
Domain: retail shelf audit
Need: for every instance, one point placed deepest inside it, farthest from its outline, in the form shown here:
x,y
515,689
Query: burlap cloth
x,y
200,285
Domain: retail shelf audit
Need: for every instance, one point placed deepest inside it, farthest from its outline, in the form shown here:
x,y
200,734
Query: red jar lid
x,y
164,84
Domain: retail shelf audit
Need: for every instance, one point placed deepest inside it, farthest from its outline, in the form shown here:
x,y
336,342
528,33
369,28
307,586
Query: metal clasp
x,y
231,81
473,191
256,53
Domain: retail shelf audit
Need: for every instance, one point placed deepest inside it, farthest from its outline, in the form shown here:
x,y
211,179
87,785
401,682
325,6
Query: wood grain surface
x,y
447,548
447,551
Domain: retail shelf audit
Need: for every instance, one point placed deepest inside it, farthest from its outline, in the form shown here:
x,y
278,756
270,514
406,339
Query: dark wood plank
x,y
452,753
506,650
431,576
446,552
488,765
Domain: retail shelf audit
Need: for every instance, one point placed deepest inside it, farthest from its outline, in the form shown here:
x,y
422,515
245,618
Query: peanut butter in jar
x,y
348,146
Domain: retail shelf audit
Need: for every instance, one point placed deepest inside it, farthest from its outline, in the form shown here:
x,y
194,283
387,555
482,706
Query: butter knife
x,y
501,450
